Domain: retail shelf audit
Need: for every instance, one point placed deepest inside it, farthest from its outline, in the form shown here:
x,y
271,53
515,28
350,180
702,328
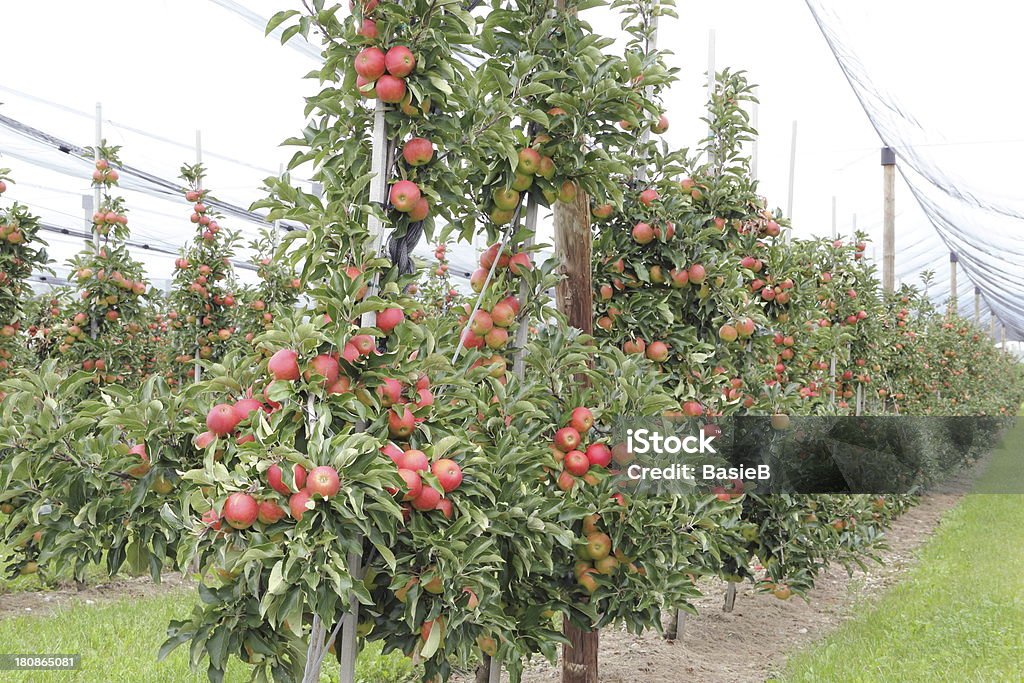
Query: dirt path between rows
x,y
47,601
751,643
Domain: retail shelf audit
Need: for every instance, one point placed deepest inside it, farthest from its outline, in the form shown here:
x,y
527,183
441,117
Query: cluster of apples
x,y
416,494
565,448
596,556
770,291
102,221
382,74
201,215
738,329
490,327
12,234
104,174
656,350
405,195
529,165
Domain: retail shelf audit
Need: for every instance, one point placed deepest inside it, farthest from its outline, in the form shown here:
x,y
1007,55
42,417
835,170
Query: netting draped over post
x,y
971,217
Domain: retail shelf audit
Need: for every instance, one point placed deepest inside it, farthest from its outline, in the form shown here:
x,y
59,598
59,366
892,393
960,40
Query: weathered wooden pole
x,y
888,219
977,305
574,297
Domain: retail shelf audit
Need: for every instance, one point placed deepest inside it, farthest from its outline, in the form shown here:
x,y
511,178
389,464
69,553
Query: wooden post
x,y
575,299
977,306
889,219
953,309
992,320
730,597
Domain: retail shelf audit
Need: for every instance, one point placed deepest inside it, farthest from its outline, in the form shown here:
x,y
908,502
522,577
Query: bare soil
x,y
47,601
752,643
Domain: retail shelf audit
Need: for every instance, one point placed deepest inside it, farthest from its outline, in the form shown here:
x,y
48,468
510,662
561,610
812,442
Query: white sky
x,y
172,67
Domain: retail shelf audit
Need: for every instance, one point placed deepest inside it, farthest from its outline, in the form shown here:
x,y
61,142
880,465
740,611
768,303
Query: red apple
x,y
222,419
415,460
284,365
400,61
448,474
323,481
413,484
567,439
240,510
276,480
418,151
390,89
270,512
401,422
299,503
599,455
246,406
404,195
576,463
427,500
370,63
389,319
325,366
581,419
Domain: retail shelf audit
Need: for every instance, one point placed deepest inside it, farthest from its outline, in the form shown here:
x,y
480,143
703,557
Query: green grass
x,y
119,640
959,614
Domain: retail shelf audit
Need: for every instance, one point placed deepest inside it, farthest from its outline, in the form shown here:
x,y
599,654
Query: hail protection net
x,y
935,80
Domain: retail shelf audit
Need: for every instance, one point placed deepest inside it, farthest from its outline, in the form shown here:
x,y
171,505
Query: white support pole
x,y
197,373
754,144
711,78
792,175
835,226
378,195
97,197
977,305
88,210
953,308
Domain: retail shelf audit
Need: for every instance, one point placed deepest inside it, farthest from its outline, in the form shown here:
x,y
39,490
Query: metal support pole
x,y
835,227
94,324
889,219
792,177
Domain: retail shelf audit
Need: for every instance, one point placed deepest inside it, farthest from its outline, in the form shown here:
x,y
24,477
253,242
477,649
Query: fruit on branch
x,y
599,546
576,463
661,126
390,392
222,419
567,439
697,274
276,481
241,510
368,29
648,197
418,151
567,192
427,500
404,195
400,61
643,233
323,481
448,474
140,470
581,419
529,161
366,87
602,211
370,63
401,422
599,455
505,199
245,407
657,351
727,333
502,315
299,503
284,365
389,319
269,512
390,89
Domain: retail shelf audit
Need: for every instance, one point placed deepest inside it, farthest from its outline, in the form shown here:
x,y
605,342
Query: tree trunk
x,y
579,657
575,297
575,293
